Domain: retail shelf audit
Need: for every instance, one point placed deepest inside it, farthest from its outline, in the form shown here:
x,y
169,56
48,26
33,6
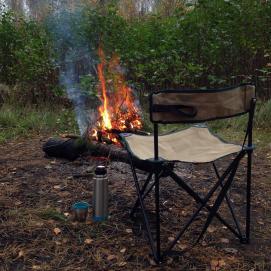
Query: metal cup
x,y
80,211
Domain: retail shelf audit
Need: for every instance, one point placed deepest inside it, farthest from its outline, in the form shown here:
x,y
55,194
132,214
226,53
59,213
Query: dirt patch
x,y
36,233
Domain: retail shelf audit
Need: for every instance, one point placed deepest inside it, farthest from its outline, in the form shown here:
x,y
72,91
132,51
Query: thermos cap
x,y
100,170
80,205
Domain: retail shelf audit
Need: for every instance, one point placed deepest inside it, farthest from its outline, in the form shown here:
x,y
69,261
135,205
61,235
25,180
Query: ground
x,y
36,232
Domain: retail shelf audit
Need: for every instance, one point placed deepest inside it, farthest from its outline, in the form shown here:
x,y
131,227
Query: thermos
x,y
100,195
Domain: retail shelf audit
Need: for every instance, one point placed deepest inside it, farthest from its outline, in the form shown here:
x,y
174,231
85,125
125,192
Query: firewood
x,y
73,148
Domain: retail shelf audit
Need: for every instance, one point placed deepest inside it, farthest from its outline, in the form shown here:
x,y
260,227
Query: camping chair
x,y
193,145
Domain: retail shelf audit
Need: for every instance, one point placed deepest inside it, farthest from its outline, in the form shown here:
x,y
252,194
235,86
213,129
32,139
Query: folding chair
x,y
193,145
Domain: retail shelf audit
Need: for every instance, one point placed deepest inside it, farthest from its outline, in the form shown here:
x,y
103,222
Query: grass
x,y
18,122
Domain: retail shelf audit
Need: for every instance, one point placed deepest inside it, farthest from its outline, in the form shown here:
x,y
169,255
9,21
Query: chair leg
x,y
230,172
229,204
248,199
219,198
157,210
143,209
141,192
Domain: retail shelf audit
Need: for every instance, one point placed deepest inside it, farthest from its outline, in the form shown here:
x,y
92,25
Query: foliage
x,y
213,43
204,47
26,58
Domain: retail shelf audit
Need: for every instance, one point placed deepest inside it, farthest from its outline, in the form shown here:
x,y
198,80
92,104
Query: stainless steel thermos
x,y
100,195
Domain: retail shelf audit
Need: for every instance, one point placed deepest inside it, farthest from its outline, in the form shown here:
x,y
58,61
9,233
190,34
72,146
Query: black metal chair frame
x,y
224,181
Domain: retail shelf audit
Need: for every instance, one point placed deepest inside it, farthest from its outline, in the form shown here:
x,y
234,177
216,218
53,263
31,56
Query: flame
x,y
103,109
118,110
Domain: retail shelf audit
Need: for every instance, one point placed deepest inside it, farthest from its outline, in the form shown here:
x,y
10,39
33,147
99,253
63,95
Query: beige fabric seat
x,y
193,145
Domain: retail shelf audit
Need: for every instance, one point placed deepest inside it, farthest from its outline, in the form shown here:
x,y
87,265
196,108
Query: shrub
x,y
206,47
26,58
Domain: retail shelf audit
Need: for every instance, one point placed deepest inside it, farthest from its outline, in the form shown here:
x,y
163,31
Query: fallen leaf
x,y
48,167
123,250
217,264
21,253
184,213
129,230
57,186
66,214
224,240
204,243
121,264
57,231
152,262
17,203
64,194
171,239
182,246
36,267
211,229
88,241
111,257
231,250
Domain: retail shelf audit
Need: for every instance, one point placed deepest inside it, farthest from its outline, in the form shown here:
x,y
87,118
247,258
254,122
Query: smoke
x,y
74,59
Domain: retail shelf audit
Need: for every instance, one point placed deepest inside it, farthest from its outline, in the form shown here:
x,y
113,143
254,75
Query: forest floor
x,y
36,232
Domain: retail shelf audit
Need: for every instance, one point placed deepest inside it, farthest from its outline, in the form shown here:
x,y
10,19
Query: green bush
x,y
26,58
205,47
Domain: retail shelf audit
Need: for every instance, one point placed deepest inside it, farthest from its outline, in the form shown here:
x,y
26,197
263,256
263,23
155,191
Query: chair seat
x,y
192,145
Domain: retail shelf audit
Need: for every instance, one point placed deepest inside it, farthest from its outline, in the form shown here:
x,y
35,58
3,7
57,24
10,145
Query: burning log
x,y
71,149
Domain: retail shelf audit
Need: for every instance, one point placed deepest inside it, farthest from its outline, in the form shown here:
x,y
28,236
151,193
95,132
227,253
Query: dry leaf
x,y
216,265
39,224
57,186
48,167
171,239
204,243
58,243
231,250
211,229
17,203
21,253
88,241
123,250
121,264
224,240
152,262
129,230
111,257
64,194
57,231
66,214
36,267
182,246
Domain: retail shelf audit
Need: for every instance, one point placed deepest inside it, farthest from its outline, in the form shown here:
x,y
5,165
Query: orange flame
x,y
103,108
118,110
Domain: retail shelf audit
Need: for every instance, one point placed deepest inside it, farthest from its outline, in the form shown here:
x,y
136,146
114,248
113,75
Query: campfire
x,y
118,111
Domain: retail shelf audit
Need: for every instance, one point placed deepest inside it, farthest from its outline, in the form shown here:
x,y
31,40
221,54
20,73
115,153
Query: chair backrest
x,y
191,106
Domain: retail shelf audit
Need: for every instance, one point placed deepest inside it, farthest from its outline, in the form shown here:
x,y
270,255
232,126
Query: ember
x,y
118,111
